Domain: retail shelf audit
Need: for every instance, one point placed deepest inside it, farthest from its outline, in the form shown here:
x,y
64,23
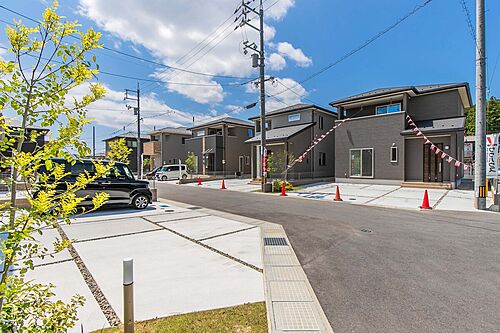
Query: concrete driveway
x,y
184,261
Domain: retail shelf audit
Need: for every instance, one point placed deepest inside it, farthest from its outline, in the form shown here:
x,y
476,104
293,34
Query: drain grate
x,y
195,208
275,241
366,230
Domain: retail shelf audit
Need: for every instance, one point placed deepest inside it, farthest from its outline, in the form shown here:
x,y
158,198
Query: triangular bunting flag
x,y
427,141
437,151
466,167
419,133
457,164
450,159
443,155
433,147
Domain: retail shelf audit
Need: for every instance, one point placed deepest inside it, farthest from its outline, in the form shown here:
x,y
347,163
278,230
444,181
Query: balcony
x,y
152,148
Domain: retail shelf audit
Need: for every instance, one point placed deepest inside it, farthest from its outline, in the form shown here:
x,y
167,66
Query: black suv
x,y
119,183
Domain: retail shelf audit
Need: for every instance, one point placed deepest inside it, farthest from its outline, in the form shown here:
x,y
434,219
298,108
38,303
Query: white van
x,y
171,171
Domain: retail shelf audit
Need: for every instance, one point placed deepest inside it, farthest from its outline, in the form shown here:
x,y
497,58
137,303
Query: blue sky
x,y
432,46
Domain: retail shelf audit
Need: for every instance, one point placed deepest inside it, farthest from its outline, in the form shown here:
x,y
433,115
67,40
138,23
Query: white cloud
x,y
286,49
279,10
170,31
284,97
106,111
276,62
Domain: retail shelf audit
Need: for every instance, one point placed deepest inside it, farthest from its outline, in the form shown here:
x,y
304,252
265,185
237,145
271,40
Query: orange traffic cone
x,y
283,190
199,180
337,195
425,202
223,187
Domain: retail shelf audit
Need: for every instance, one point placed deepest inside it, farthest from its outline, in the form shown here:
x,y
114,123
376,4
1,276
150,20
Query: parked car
x,y
172,172
119,183
151,174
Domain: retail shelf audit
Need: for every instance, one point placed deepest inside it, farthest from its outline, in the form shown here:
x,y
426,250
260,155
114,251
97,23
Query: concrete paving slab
x,y
172,274
103,228
175,216
416,193
458,200
204,227
244,245
68,281
395,202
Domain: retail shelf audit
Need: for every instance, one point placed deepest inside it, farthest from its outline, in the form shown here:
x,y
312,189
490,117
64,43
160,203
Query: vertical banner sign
x,y
264,163
492,155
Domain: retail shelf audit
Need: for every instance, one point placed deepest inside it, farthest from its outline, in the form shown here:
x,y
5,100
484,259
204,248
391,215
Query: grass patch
x,y
247,318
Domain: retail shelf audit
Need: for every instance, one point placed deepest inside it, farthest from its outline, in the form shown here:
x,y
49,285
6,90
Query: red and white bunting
x,y
433,147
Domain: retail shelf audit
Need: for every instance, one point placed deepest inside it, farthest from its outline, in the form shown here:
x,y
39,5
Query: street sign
x,y
492,155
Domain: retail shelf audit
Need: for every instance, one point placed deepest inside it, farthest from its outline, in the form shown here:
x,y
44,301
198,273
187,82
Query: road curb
x,y
292,305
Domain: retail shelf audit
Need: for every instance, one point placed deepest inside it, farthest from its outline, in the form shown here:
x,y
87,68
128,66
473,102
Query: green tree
x,y
277,162
119,152
191,162
492,117
45,63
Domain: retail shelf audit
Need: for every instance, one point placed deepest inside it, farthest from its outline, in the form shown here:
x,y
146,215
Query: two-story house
x,y
167,146
219,146
131,142
376,144
291,130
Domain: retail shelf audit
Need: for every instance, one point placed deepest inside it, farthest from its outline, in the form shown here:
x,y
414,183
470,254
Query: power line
x,y
134,56
360,47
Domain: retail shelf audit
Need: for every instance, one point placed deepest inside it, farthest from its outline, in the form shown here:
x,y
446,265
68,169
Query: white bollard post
x,y
128,295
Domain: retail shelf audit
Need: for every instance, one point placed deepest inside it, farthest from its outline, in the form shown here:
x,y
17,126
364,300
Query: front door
x,y
433,164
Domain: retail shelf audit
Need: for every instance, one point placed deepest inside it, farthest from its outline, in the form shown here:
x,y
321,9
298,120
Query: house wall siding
x,y
377,132
172,148
281,120
445,104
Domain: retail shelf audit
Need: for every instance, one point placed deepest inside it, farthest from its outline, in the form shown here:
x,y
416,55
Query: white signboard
x,y
492,155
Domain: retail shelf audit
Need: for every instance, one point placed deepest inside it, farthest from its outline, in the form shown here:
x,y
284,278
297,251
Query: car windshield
x,y
128,172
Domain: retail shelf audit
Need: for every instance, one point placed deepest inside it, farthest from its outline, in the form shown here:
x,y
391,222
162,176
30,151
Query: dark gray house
x,y
291,130
131,141
28,145
377,145
167,146
219,146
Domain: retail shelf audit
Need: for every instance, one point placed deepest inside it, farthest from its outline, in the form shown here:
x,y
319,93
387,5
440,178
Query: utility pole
x,y
258,60
480,154
93,142
137,112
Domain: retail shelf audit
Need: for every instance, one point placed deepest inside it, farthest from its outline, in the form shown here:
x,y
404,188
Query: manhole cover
x,y
275,241
366,230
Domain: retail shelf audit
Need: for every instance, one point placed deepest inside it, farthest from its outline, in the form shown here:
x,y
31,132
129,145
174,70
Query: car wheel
x,y
164,178
184,176
140,201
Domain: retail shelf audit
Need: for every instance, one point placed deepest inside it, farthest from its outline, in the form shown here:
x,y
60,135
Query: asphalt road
x,y
414,272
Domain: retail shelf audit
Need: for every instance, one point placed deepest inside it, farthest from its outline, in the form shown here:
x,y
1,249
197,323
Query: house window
x,y
294,117
183,141
394,154
322,159
268,124
320,122
247,160
132,144
250,133
361,162
390,108
200,133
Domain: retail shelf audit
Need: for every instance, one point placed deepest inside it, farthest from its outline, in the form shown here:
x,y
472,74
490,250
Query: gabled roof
x,y
416,90
225,120
281,133
14,123
296,107
128,135
172,130
438,125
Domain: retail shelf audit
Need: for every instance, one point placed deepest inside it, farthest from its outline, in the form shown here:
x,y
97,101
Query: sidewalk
x,y
185,260
390,196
